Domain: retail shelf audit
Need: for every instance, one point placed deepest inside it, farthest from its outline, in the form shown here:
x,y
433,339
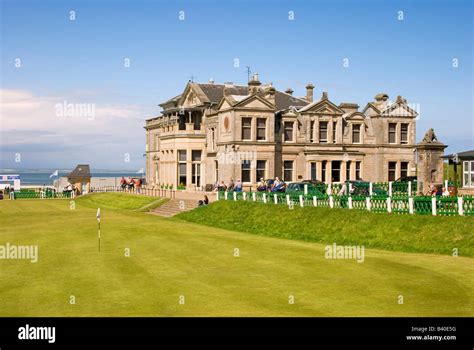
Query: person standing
x,y
138,184
238,186
231,185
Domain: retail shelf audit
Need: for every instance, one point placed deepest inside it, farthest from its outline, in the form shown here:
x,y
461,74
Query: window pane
x,y
182,155
246,171
288,131
392,166
197,121
246,128
247,122
334,125
472,166
348,170
196,174
213,139
356,133
182,174
392,130
261,128
404,169
313,171
196,156
288,170
358,171
336,171
260,169
323,171
323,132
404,133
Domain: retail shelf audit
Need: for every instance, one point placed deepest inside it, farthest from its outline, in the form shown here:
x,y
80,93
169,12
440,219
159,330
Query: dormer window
x,y
323,132
356,133
288,131
404,133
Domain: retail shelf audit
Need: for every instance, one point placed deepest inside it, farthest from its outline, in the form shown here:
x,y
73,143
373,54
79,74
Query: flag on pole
x,y
55,173
98,222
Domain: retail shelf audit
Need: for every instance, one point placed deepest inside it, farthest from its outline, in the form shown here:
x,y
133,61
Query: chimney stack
x,y
325,96
289,91
309,92
254,84
270,94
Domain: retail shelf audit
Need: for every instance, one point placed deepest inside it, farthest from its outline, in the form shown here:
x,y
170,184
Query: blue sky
x,y
82,61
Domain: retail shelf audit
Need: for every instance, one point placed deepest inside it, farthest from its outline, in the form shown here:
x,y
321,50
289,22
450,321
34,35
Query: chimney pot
x,y
289,91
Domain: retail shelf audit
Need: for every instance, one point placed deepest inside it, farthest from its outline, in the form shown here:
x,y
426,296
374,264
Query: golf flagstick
x,y
98,220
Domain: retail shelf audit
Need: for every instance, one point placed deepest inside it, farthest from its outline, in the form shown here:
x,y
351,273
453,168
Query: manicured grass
x,y
408,233
114,200
172,258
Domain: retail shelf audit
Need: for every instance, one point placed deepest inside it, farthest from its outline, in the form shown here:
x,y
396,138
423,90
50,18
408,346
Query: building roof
x,y
81,171
461,155
285,101
173,100
215,92
282,99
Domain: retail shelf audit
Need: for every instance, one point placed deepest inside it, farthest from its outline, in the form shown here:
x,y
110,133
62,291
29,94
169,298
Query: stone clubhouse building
x,y
213,132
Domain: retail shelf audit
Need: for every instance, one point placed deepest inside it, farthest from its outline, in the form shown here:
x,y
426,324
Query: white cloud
x,y
30,122
22,110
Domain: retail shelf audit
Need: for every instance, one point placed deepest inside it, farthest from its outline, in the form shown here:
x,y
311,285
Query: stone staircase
x,y
175,206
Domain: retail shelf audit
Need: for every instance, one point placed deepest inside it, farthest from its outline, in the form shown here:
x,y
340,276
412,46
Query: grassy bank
x,y
407,233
